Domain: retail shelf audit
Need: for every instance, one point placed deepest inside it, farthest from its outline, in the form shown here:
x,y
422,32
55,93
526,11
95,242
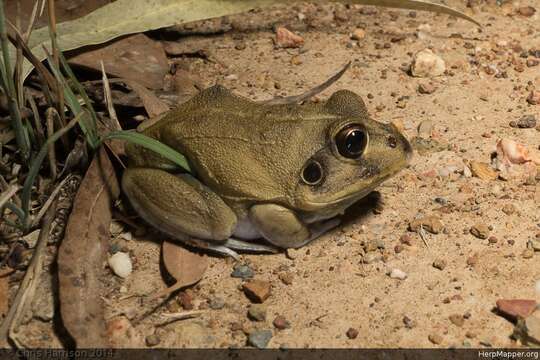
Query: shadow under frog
x,y
266,176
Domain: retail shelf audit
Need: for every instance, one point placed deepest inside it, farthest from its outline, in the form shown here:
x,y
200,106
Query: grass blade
x,y
152,144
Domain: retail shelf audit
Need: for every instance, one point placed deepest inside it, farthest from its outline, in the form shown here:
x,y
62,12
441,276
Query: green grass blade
x,y
35,165
152,144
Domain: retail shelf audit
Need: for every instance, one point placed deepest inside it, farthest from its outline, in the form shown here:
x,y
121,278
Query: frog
x,y
264,177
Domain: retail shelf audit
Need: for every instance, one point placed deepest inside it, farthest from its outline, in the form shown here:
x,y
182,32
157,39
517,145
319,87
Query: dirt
x,y
332,293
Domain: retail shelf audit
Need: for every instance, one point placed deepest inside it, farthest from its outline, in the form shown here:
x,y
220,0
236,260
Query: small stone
x,y
398,274
257,290
281,323
435,338
257,312
526,11
260,338
427,64
217,303
406,240
185,300
425,129
371,257
398,248
408,322
431,224
286,278
292,253
480,230
472,260
470,335
532,62
525,122
439,264
457,320
516,307
120,264
492,240
428,88
483,170
358,34
287,39
534,97
152,340
242,271
352,333
527,253
509,209
236,326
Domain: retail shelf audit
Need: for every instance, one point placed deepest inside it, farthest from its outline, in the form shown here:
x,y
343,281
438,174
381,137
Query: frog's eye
x,y
351,141
312,173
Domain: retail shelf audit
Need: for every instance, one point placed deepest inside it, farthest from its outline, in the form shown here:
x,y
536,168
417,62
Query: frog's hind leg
x,y
179,205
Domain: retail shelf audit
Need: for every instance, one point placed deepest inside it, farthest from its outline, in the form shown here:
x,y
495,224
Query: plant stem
x,y
9,88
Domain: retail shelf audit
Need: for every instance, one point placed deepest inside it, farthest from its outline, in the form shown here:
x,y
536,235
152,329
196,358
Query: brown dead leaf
x,y
152,104
483,170
136,57
185,266
4,296
83,253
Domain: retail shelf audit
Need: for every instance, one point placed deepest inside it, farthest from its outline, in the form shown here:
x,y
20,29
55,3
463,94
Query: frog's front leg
x,y
281,227
178,205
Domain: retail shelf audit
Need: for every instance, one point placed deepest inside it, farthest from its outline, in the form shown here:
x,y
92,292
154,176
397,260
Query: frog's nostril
x,y
391,141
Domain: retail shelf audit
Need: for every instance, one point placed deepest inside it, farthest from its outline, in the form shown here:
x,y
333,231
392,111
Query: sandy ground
x,y
333,288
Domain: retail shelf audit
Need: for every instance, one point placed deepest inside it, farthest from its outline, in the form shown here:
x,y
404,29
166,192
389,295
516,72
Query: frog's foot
x,y
228,247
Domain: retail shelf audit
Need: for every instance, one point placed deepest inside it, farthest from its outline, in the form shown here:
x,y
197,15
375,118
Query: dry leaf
x,y
483,170
4,296
185,266
135,57
123,17
83,253
152,104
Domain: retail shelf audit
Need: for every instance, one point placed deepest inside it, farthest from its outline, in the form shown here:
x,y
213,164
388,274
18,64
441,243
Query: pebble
x,y
527,253
152,340
352,333
257,312
281,323
457,320
435,338
509,209
257,290
371,257
217,303
526,11
425,129
287,39
431,224
408,322
516,307
439,264
358,34
534,97
483,170
120,264
292,253
427,64
242,271
480,230
186,300
260,338
286,278
532,62
426,88
525,122
398,274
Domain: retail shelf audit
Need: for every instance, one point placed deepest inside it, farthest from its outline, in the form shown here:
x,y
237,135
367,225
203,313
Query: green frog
x,y
283,173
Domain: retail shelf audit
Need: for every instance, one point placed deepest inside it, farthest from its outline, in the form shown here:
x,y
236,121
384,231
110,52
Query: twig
x,y
48,203
172,317
28,285
37,119
8,194
310,93
422,234
108,100
50,131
